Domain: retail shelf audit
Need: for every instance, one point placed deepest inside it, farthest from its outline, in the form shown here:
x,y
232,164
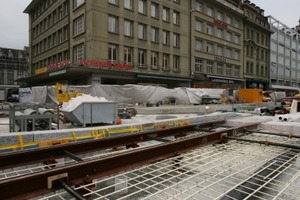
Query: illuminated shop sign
x,y
55,66
105,65
220,23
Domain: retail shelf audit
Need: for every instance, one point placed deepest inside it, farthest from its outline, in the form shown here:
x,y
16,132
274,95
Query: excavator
x,y
65,96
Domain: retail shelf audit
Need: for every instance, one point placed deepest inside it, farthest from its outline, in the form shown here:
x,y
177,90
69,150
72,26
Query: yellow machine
x,y
250,95
64,96
297,95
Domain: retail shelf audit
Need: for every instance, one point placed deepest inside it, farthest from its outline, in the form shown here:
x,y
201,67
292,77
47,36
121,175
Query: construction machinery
x,y
65,96
250,95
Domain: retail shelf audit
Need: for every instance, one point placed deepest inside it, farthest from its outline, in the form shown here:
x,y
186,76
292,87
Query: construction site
x,y
170,146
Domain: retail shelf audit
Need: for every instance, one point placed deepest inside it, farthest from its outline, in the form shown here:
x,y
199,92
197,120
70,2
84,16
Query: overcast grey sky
x,y
14,23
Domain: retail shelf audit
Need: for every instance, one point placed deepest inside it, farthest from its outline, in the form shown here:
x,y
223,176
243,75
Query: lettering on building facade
x,y
62,64
220,23
220,59
105,65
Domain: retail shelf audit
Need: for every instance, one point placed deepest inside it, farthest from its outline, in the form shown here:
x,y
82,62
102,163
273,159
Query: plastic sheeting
x,y
131,93
277,95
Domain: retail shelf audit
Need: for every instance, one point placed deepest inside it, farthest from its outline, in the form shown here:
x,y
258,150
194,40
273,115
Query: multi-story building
x,y
13,66
110,42
198,43
285,57
257,35
216,43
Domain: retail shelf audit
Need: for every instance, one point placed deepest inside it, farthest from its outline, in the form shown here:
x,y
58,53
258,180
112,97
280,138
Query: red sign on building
x,y
105,65
220,23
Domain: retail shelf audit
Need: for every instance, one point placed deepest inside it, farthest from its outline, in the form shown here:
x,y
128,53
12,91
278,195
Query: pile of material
x,y
75,102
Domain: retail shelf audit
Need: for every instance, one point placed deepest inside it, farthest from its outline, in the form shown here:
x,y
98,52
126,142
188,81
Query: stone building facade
x,y
195,43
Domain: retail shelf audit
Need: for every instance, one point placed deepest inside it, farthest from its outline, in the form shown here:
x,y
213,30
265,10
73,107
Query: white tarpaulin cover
x,y
130,93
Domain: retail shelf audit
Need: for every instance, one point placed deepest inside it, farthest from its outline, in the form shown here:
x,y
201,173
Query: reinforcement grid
x,y
236,170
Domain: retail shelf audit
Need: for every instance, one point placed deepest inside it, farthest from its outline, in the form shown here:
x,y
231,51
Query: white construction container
x,y
93,113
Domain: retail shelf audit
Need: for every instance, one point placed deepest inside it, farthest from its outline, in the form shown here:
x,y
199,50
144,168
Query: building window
x,y
112,53
198,45
142,58
20,55
176,1
176,62
209,48
176,18
10,54
228,70
60,38
198,6
154,59
65,33
228,53
176,40
113,24
220,51
236,71
198,65
236,39
128,55
142,31
78,25
209,29
262,73
166,61
209,67
154,10
220,33
128,28
154,34
228,19
115,2
236,55
166,14
166,37
1,76
262,39
220,16
236,23
228,36
198,25
21,74
78,53
10,77
128,4
210,11
77,3
142,6
219,68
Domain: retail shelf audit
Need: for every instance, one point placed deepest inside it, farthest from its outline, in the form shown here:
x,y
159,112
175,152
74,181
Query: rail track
x,y
87,169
